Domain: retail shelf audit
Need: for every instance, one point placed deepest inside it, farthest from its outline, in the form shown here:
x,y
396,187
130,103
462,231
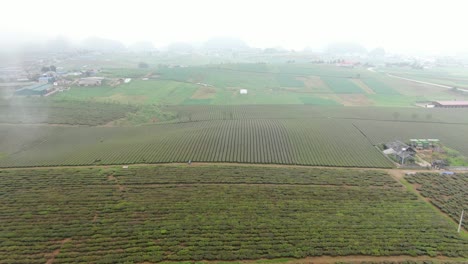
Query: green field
x,y
305,135
447,192
188,109
266,84
34,111
136,92
182,213
304,142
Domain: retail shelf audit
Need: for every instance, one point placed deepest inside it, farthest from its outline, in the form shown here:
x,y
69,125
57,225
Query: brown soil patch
x,y
314,83
204,93
95,217
112,178
57,251
355,100
363,86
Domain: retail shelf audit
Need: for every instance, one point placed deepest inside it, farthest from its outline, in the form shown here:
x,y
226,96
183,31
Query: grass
x,y
135,92
379,86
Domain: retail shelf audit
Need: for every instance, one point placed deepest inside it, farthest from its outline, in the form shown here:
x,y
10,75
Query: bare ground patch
x,y
363,86
51,256
118,185
314,83
354,100
204,93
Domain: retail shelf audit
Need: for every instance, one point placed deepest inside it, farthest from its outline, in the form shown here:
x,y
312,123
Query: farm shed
x,y
451,104
90,81
243,91
36,89
400,151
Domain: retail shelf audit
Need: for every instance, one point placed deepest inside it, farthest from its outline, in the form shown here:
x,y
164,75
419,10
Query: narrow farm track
x,y
427,83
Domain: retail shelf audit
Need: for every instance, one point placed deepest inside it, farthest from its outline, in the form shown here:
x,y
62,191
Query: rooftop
x,y
452,103
37,87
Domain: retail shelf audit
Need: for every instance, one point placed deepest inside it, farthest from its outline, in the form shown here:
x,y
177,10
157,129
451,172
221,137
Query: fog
x,y
397,25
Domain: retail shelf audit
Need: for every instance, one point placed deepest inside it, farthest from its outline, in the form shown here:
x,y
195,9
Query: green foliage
x,y
446,192
342,85
219,213
321,142
378,86
38,111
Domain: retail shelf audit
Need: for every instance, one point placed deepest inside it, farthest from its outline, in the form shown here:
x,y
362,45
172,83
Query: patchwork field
x,y
309,84
192,213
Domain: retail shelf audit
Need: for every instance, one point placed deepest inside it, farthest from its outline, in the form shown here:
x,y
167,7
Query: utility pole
x,y
461,220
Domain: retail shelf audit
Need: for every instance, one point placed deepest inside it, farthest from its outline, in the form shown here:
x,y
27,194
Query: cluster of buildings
x,y
51,81
406,153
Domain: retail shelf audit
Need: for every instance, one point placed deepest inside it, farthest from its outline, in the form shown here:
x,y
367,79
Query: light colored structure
x,y
451,104
243,91
90,81
35,89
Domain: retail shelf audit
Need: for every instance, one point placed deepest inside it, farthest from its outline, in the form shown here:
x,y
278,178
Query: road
x,y
416,81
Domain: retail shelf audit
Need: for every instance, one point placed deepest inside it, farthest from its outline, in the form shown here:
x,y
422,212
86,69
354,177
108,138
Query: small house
x,y
401,152
243,91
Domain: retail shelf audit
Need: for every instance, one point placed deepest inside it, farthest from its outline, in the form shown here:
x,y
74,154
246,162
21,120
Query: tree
x,y
45,69
143,65
53,68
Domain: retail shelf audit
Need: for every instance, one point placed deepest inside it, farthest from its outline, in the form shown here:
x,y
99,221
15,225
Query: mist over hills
x,y
27,43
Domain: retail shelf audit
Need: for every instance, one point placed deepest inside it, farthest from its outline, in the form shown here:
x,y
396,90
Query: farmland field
x,y
309,84
448,192
304,142
305,135
30,111
183,213
452,135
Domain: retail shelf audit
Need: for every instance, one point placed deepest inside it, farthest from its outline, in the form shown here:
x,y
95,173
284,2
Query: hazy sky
x,y
397,25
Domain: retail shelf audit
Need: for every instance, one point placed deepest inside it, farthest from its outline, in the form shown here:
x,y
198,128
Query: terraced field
x,y
189,213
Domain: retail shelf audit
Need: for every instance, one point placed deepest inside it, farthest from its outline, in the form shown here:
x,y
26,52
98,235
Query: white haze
x,y
397,25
